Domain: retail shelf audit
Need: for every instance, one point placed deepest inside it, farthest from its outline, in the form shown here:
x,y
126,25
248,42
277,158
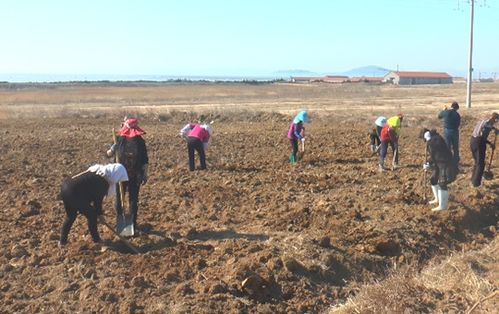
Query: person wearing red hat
x,y
132,153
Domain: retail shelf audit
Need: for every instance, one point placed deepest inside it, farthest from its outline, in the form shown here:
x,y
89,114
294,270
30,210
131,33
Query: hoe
x,y
120,236
124,225
488,175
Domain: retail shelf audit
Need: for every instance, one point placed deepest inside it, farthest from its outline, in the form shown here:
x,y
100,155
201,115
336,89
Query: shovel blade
x,y
125,226
120,223
128,231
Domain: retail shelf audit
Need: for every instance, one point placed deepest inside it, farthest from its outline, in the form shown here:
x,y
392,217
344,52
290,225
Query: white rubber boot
x,y
434,189
443,199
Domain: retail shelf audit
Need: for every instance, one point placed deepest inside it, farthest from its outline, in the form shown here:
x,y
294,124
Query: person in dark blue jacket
x,y
451,120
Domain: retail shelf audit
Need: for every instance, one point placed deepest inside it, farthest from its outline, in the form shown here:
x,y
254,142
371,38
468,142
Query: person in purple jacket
x,y
198,138
296,132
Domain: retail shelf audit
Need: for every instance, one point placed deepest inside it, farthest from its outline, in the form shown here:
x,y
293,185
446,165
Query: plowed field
x,y
252,233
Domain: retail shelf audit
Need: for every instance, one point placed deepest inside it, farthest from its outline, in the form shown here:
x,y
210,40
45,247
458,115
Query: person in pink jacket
x,y
198,138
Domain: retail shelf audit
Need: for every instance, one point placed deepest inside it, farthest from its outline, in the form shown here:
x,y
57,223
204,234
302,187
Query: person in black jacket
x,y
451,122
440,160
478,145
132,153
374,140
84,194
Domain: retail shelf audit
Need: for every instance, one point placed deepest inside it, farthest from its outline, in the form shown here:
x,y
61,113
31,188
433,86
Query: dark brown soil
x,y
250,234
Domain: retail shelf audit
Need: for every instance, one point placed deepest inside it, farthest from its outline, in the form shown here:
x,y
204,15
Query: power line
x,y
421,4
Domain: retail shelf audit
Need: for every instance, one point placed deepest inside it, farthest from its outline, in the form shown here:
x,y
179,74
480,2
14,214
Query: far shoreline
x,y
124,83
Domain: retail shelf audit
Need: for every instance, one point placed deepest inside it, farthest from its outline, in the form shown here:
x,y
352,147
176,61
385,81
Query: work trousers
x,y
441,176
132,187
384,149
451,138
72,207
294,148
195,144
478,148
374,139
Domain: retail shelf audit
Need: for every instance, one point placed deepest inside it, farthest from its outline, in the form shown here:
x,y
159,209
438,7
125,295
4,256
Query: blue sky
x,y
250,37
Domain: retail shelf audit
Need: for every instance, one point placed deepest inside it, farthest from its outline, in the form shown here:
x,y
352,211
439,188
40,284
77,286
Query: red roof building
x,y
414,78
366,79
335,79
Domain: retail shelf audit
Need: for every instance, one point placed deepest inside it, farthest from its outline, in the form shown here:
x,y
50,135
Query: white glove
x,y
185,130
426,166
303,139
110,152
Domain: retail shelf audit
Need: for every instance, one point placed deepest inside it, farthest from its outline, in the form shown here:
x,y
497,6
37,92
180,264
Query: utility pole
x,y
470,61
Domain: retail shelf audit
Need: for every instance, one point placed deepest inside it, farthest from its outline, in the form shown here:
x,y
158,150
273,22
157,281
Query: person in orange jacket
x,y
390,134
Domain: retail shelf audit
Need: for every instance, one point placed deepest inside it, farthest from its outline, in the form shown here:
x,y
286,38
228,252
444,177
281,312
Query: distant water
x,y
47,78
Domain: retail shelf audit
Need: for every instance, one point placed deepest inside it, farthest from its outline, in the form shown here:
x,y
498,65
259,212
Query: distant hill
x,y
370,70
286,73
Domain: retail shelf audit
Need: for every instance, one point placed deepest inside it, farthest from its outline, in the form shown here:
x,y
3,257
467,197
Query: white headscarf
x,y
427,136
113,173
